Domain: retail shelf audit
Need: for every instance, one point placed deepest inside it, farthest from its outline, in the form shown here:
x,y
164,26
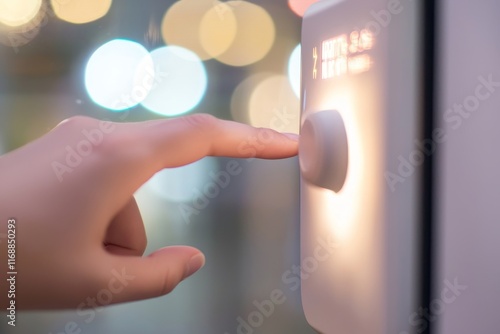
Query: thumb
x,y
152,276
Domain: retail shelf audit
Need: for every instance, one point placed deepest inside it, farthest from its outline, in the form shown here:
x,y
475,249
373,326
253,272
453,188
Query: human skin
x,y
78,228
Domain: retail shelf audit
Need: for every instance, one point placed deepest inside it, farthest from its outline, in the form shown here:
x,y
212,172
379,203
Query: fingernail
x,y
196,263
292,136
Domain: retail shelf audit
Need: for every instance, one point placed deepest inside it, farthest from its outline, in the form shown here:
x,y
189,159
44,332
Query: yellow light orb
x,y
218,29
15,13
273,104
80,11
255,33
242,94
181,25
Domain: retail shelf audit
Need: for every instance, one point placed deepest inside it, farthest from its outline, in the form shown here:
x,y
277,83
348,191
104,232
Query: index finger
x,y
203,135
142,149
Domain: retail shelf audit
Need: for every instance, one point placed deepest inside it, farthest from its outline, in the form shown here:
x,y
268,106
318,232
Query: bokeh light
x,y
15,13
185,183
16,37
80,11
299,7
273,104
180,84
218,29
181,24
241,97
119,75
255,34
294,69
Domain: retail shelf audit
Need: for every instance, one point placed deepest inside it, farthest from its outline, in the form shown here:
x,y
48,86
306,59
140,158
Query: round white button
x,y
323,150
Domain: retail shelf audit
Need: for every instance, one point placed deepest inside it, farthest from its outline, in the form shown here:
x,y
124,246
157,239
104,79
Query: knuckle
x,y
264,136
202,121
266,133
111,143
113,147
168,285
123,142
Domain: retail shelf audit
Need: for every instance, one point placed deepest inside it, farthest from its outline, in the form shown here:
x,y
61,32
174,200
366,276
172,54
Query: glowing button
x,y
323,150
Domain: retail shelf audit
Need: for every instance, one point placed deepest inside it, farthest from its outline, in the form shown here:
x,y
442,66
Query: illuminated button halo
x,y
323,150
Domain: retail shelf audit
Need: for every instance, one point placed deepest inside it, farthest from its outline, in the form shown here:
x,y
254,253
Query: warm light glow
x,y
119,74
294,69
360,41
218,29
183,22
240,99
180,84
344,54
339,214
334,55
81,11
344,206
315,63
359,64
15,13
274,105
299,7
341,211
255,35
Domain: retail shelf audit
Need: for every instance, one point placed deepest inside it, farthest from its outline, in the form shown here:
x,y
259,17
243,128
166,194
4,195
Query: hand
x,y
79,232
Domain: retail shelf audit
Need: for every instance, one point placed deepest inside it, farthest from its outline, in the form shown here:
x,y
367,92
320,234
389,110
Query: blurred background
x,y
125,61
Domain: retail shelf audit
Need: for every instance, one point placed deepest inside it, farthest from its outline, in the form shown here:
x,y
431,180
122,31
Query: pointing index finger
x,y
184,140
151,146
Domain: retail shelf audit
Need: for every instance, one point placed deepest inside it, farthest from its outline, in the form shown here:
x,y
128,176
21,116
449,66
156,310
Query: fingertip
x,y
193,258
195,264
292,136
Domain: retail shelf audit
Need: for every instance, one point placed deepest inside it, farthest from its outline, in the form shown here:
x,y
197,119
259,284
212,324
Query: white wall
x,y
469,166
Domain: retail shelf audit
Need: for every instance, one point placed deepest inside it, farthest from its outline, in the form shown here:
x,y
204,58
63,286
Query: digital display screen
x,y
344,54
